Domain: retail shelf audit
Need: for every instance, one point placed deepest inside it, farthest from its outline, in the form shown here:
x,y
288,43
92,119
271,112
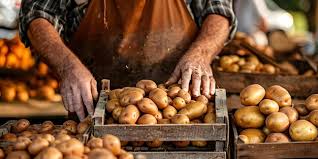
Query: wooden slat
x,y
221,114
180,155
299,86
164,132
99,114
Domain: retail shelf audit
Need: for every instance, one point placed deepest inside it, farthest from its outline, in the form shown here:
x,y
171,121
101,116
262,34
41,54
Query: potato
x,y
169,101
302,130
301,109
277,122
86,150
181,143
178,103
254,135
114,94
26,133
100,154
8,93
61,138
130,98
195,121
185,95
22,143
164,121
70,125
162,86
244,139
173,91
158,115
46,92
291,113
210,108
71,147
253,59
180,119
259,67
225,61
154,143
232,68
313,117
22,96
82,127
129,115
146,85
252,95
20,125
279,95
267,106
266,130
248,67
199,143
116,113
46,126
147,106
18,155
249,117
50,153
159,97
268,68
312,102
147,119
95,143
202,99
112,104
2,155
194,110
112,143
110,120
9,137
126,90
37,146
209,118
138,143
125,155
277,137
50,138
169,112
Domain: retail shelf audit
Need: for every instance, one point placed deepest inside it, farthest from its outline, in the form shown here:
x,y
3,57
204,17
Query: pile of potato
x,y
149,103
270,116
47,142
14,55
244,64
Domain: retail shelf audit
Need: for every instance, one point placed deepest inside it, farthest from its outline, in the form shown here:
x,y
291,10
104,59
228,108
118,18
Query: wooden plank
x,y
235,82
164,132
180,155
221,114
99,114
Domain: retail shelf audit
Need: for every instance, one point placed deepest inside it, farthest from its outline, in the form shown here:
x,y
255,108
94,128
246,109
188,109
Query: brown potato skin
x,y
129,115
158,115
291,113
100,154
50,153
164,121
2,155
112,104
20,125
154,144
173,91
112,143
254,135
194,110
22,143
249,117
202,99
169,112
71,147
301,109
181,143
71,126
37,146
277,137
147,119
147,106
95,143
116,113
199,143
180,119
252,95
9,137
114,94
159,97
18,155
302,130
178,103
268,106
209,117
130,98
146,85
312,102
46,126
313,117
185,95
279,95
277,122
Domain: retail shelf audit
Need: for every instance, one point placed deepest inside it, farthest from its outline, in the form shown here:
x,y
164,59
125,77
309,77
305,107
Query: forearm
x,y
48,44
212,36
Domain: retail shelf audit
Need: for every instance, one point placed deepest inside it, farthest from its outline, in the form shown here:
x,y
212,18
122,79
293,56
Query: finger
x,y
94,89
78,104
196,81
206,86
185,81
212,86
64,98
87,98
174,76
69,98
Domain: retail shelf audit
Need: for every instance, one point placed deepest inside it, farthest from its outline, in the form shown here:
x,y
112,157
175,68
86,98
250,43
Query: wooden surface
x,y
180,155
299,86
164,132
34,108
272,150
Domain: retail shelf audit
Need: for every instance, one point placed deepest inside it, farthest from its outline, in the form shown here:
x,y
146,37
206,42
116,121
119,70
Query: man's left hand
x,y
195,66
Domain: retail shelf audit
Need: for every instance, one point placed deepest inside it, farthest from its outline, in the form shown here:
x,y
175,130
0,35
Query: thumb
x,y
174,77
94,89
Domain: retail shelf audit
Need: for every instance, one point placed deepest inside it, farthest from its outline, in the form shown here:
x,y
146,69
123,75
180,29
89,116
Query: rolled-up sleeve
x,y
202,8
50,10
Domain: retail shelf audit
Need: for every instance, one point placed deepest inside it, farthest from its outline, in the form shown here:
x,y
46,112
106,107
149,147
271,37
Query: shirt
x,y
66,15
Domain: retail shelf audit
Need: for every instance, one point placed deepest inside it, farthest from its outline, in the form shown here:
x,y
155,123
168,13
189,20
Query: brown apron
x,y
129,40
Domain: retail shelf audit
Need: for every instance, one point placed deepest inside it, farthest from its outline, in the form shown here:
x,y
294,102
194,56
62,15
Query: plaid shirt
x,y
66,15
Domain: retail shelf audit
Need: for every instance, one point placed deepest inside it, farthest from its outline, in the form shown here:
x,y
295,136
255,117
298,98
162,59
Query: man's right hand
x,y
78,89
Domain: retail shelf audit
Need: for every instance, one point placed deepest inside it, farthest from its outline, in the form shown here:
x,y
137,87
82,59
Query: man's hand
x,y
195,67
78,89
78,86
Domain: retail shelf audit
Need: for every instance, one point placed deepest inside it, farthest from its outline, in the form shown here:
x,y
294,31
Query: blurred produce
x,y
14,55
274,118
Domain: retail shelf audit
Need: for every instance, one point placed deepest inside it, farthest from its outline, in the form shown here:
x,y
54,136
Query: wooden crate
x,y
271,150
6,128
218,132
